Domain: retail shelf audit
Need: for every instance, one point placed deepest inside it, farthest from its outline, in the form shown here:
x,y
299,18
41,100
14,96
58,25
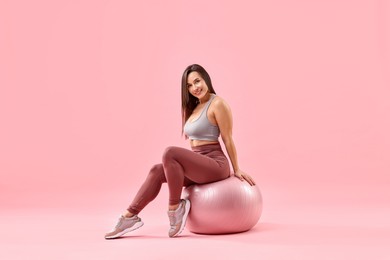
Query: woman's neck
x,y
205,98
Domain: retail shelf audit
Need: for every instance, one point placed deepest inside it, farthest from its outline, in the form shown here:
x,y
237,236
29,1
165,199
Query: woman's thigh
x,y
197,167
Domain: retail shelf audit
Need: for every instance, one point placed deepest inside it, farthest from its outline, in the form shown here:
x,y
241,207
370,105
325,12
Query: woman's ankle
x,y
173,207
128,214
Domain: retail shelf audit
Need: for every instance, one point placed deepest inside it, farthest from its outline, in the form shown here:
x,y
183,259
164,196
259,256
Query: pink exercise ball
x,y
227,206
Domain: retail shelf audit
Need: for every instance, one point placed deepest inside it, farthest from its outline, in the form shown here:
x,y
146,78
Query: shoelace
x,y
119,222
172,218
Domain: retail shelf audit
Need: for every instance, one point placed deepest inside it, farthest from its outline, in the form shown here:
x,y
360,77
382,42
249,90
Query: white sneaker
x,y
178,218
125,225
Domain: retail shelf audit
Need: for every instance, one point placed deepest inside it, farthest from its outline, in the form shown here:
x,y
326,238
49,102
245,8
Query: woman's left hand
x,y
243,176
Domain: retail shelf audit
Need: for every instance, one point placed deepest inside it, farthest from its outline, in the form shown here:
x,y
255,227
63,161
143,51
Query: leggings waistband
x,y
207,148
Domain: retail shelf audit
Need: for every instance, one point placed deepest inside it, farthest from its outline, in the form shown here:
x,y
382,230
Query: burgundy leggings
x,y
180,168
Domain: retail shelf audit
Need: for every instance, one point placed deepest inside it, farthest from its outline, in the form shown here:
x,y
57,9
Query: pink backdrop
x,y
90,96
90,93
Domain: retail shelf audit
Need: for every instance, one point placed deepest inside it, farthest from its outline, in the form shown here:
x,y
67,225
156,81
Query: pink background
x,y
90,98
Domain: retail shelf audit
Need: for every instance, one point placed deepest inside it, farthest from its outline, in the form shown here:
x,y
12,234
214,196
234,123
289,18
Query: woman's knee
x,y
157,172
170,153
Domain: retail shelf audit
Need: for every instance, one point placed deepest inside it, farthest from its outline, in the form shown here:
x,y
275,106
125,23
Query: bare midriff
x,y
195,143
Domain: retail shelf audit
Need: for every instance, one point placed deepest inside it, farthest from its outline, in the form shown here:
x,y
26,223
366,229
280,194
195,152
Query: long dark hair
x,y
188,101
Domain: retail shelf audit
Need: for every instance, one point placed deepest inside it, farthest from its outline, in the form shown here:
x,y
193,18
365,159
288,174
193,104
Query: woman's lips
x,y
197,92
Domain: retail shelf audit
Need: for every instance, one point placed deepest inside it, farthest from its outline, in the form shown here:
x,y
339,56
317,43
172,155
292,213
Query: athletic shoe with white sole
x,y
178,218
125,225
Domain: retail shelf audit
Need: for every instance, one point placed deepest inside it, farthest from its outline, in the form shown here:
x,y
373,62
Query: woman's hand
x,y
243,176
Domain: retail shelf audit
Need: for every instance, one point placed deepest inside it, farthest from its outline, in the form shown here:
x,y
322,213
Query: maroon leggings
x,y
180,168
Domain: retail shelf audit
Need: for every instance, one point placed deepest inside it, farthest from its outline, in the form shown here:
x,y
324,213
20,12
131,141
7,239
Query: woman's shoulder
x,y
219,103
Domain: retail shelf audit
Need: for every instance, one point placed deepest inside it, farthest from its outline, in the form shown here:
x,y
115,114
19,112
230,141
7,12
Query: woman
x,y
205,116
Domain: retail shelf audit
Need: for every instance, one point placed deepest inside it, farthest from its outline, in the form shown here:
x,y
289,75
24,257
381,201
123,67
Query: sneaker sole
x,y
136,226
183,223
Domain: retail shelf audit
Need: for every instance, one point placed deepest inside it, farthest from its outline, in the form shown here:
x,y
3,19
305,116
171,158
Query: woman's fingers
x,y
246,177
239,176
253,182
249,179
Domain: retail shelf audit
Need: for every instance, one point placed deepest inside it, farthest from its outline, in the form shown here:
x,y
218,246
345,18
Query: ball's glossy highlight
x,y
227,206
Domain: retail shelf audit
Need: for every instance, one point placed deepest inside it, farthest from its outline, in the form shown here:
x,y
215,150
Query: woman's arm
x,y
224,119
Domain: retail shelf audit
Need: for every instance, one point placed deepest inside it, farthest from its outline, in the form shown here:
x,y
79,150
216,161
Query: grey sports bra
x,y
201,128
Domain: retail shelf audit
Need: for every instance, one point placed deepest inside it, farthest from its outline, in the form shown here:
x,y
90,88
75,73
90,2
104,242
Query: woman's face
x,y
196,85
